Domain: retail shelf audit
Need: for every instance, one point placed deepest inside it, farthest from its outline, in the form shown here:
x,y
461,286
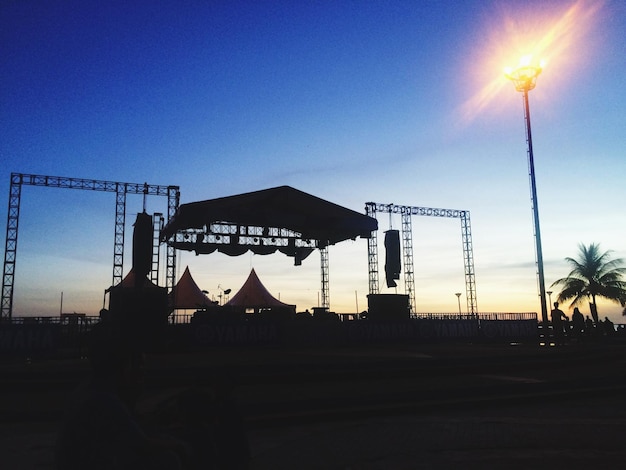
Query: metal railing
x,y
480,316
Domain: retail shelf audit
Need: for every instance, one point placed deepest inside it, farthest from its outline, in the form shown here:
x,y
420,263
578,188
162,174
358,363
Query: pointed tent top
x,y
253,294
187,295
130,282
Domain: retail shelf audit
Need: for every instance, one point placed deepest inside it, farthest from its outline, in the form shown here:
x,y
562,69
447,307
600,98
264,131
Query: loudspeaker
x,y
142,246
392,257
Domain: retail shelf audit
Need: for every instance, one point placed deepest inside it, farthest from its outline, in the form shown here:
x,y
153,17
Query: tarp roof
x,y
253,294
282,207
131,279
187,295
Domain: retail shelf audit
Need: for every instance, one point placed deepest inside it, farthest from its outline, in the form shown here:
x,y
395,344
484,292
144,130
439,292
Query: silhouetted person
x,y
99,430
589,326
567,326
557,320
578,323
609,327
231,439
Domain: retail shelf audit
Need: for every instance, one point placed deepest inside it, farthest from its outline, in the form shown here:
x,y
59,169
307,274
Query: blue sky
x,y
395,102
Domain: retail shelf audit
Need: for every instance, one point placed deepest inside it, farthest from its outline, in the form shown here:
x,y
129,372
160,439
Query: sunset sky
x,y
399,102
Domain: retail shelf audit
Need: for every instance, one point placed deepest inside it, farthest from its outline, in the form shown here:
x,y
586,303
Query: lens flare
x,y
556,37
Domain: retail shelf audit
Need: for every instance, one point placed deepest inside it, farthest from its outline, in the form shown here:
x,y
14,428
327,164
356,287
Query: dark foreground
x,y
384,407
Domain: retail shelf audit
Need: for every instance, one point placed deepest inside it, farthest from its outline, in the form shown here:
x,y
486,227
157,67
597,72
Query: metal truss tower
x,y
325,281
120,225
407,236
468,257
120,190
157,226
372,250
407,251
173,201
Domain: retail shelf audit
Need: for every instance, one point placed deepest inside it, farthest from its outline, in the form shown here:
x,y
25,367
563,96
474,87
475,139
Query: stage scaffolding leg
x,y
372,252
10,249
157,225
120,224
468,256
324,265
173,201
407,240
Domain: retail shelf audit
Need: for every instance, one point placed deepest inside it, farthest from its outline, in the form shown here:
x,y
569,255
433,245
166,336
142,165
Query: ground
x,y
395,406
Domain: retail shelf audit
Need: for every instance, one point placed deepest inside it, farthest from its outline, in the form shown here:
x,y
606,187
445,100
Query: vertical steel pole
x,y
533,195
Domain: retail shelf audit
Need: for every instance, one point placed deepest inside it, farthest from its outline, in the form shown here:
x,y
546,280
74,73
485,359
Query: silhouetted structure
x,y
393,264
140,307
187,295
120,188
142,246
136,304
388,307
255,298
280,219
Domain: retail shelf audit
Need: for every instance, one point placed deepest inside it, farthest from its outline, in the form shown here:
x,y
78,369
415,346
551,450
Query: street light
x,y
550,298
458,298
524,77
223,295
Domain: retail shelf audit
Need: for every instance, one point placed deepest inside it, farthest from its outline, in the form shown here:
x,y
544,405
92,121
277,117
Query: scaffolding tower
x,y
324,272
406,212
120,189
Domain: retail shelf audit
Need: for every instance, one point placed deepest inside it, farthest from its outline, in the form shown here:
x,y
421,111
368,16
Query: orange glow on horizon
x,y
559,38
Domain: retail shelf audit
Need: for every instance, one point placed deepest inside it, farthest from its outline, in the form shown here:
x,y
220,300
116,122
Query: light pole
x,y
223,295
549,298
458,298
524,77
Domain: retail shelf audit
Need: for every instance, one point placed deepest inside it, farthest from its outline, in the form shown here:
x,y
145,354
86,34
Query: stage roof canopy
x,y
281,218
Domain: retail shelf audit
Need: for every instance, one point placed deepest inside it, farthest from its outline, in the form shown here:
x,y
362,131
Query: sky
x,y
398,102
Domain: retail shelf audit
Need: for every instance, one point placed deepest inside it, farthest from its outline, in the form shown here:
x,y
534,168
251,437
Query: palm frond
x,y
593,274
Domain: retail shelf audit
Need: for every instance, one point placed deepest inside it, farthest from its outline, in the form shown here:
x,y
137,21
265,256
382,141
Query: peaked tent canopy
x,y
253,294
187,295
132,280
282,207
139,302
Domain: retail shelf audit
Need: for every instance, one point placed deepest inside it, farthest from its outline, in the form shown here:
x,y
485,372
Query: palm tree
x,y
594,274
